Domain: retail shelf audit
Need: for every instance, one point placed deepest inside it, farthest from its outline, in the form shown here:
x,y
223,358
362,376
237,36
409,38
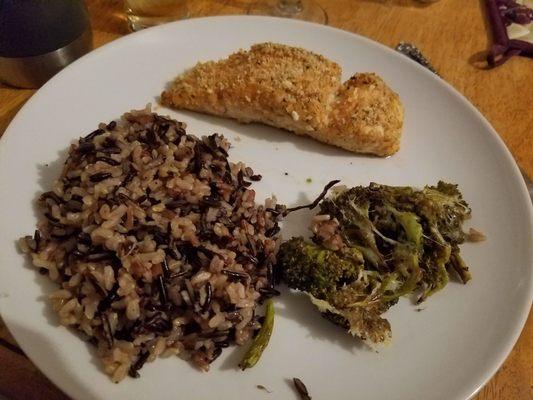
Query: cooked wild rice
x,y
156,242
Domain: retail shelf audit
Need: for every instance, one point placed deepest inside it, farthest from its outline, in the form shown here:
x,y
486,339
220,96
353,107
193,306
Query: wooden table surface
x,y
453,34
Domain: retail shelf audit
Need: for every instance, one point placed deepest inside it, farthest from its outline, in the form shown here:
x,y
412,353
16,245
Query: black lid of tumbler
x,y
34,27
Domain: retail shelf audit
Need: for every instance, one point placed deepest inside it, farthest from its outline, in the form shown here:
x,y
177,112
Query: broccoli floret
x,y
315,269
443,206
340,287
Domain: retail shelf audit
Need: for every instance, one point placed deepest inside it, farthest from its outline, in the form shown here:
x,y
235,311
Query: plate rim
x,y
500,356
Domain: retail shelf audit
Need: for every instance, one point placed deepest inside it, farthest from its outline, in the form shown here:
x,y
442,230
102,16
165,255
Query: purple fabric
x,y
501,14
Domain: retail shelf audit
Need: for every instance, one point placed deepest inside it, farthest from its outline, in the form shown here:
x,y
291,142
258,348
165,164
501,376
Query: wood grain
x,y
453,34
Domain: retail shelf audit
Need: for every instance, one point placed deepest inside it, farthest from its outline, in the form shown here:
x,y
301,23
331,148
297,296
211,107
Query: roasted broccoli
x,y
372,245
338,285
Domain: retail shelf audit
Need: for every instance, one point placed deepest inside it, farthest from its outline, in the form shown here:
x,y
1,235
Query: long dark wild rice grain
x,y
301,388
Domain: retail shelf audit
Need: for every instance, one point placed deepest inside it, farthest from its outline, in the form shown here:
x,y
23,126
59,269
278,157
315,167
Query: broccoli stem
x,y
260,342
459,266
411,226
442,258
411,265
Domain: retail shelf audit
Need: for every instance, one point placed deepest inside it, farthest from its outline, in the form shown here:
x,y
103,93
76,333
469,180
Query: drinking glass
x,y
308,10
145,13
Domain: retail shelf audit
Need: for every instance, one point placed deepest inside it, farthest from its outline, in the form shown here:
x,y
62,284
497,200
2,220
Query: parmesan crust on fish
x,y
297,90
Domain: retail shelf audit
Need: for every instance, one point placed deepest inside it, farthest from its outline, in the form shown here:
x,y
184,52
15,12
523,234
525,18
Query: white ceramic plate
x,y
447,351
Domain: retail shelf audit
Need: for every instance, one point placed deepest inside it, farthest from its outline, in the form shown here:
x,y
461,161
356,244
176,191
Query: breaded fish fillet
x,y
297,90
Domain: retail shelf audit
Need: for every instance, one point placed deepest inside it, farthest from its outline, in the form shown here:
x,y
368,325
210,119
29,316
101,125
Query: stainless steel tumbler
x,y
40,37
